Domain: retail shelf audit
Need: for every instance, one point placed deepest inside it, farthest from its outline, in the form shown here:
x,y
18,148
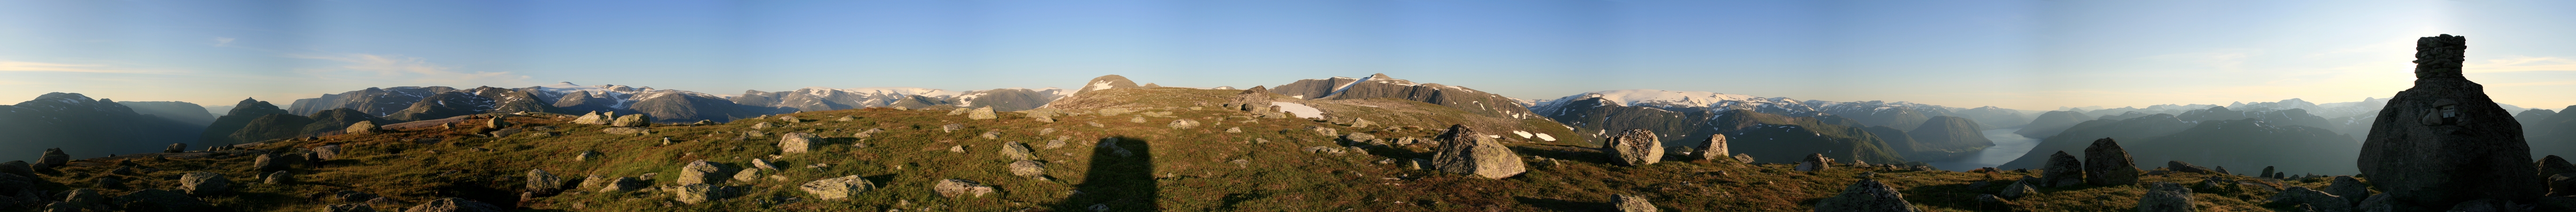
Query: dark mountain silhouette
x,y
85,127
221,131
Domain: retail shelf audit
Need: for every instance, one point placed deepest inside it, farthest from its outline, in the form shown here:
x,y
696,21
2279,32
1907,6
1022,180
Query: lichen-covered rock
x,y
1635,147
954,188
2165,197
623,184
175,148
2106,164
2444,141
1714,149
278,178
1028,168
1018,151
981,113
1867,195
951,127
702,172
452,204
1815,162
1745,158
204,183
795,142
1632,203
590,118
633,120
1463,150
327,152
1358,138
544,183
837,188
2320,200
362,128
267,162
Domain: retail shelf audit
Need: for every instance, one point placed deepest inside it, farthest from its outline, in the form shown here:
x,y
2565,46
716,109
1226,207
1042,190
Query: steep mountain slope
x,y
2250,143
685,106
1381,86
822,99
2049,124
221,131
374,101
1995,117
182,112
1900,115
2076,138
443,105
271,127
1944,137
1770,138
84,127
336,120
2555,135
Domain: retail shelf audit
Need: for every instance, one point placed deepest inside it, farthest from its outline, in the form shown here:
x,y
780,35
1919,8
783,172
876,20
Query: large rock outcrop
x,y
1634,147
2105,164
1715,149
2062,170
2444,142
1465,151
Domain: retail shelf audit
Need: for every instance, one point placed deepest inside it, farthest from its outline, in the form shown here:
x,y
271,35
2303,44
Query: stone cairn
x,y
2443,142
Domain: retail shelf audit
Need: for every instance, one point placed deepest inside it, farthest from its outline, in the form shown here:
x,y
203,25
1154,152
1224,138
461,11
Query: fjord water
x,y
2007,147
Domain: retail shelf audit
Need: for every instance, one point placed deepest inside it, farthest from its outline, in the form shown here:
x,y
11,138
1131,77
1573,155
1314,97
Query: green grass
x,y
1173,170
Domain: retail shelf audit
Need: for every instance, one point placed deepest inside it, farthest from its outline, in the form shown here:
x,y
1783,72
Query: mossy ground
x,y
1172,169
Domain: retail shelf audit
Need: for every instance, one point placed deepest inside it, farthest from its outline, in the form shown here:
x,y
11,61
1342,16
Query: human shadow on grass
x,y
1121,178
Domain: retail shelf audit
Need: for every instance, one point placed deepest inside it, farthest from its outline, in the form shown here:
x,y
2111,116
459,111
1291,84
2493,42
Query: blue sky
x,y
2012,53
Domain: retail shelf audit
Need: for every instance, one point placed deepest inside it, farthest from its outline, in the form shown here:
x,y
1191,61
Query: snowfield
x,y
1301,110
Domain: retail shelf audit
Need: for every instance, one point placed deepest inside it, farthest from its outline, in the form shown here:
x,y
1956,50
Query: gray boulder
x,y
2165,197
1631,203
2444,142
176,148
2021,188
1815,162
981,113
1028,168
590,118
1018,151
702,172
204,183
543,183
1635,147
452,204
1745,158
54,157
632,120
362,128
2320,200
327,152
795,142
2106,164
623,184
2062,170
953,188
17,167
1463,150
268,162
1715,149
278,178
1867,195
837,188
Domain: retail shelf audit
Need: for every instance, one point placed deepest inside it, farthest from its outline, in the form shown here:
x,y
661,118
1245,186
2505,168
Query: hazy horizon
x,y
2031,55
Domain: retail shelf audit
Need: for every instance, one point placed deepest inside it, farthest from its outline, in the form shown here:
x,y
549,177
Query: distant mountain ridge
x,y
85,127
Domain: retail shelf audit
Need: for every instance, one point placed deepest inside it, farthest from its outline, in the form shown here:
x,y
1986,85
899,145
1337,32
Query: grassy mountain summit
x,y
1227,160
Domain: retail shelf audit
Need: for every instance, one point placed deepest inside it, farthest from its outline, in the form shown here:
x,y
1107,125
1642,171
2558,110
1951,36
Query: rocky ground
x,y
1183,151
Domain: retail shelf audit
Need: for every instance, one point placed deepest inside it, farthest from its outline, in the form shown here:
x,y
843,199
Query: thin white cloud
x,y
2520,64
11,65
412,69
221,41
